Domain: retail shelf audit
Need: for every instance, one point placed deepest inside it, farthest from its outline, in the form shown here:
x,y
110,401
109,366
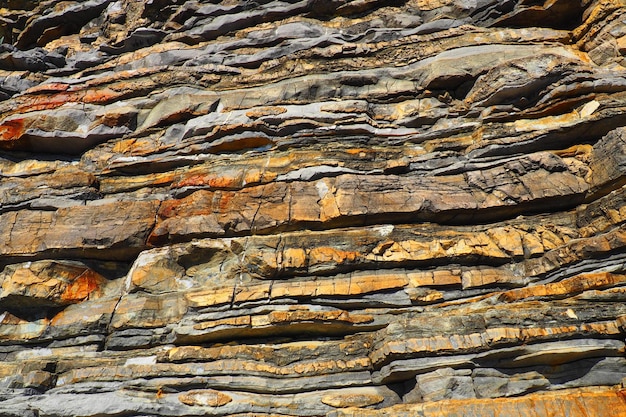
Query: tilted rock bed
x,y
312,208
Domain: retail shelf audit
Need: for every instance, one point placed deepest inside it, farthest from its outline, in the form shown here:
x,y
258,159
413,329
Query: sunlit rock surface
x,y
313,208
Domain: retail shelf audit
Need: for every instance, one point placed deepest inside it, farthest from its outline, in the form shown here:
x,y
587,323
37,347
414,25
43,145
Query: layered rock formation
x,y
312,208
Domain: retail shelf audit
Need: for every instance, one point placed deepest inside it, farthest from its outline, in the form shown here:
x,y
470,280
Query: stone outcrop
x,y
312,208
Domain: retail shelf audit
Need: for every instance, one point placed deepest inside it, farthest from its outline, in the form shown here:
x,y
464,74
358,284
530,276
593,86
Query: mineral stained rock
x,y
313,208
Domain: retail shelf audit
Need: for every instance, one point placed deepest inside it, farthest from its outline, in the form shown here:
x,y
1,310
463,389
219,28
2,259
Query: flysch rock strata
x,y
313,208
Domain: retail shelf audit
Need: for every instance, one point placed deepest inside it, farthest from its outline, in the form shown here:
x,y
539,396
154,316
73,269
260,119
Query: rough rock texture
x,y
313,208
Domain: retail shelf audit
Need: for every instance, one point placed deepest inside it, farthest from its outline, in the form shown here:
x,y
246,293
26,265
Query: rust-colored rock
x,y
575,403
46,283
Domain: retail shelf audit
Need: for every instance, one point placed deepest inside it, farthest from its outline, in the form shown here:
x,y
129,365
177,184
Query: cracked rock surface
x,y
312,208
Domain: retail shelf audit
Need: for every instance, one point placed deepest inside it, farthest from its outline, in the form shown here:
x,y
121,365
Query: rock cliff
x,y
313,208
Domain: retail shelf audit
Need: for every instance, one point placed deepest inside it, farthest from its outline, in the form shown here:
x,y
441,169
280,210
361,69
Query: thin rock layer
x,y
312,208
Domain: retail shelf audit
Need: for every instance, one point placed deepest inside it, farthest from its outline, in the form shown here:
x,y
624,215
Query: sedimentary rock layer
x,y
312,208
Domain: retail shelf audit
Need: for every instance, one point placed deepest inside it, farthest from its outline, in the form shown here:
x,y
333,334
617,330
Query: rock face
x,y
313,208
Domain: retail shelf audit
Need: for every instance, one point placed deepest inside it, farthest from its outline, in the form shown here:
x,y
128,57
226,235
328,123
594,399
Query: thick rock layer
x,y
312,208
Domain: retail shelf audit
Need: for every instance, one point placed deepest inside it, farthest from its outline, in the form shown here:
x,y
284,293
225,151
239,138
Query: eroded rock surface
x,y
312,208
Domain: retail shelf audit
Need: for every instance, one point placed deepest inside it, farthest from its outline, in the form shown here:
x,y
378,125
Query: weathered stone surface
x,y
209,398
573,403
48,284
117,230
309,208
